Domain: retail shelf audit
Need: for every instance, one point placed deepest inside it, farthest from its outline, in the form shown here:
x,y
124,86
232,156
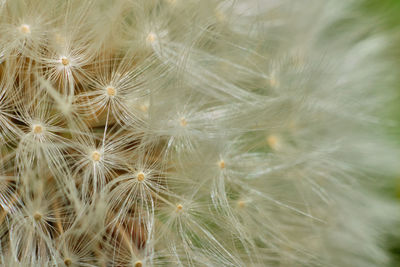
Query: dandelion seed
x,y
64,61
138,264
96,156
241,204
37,216
25,29
179,208
144,107
111,91
221,164
116,91
273,82
140,177
274,142
67,262
37,129
183,122
151,38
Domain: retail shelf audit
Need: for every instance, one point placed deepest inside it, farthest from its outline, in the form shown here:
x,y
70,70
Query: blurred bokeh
x,y
386,15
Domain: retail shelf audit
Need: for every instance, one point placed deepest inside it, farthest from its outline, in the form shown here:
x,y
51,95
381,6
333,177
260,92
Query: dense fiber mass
x,y
191,133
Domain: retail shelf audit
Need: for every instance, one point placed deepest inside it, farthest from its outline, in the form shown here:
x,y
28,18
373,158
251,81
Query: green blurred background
x,y
386,16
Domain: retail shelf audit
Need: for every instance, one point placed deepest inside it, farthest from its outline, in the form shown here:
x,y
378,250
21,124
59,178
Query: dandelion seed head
x,y
138,130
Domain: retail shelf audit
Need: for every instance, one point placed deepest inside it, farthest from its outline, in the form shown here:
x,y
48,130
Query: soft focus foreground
x,y
192,133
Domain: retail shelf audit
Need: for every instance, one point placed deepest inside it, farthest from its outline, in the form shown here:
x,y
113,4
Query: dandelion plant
x,y
192,133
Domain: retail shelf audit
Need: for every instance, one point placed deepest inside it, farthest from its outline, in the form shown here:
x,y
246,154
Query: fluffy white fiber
x,y
191,133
